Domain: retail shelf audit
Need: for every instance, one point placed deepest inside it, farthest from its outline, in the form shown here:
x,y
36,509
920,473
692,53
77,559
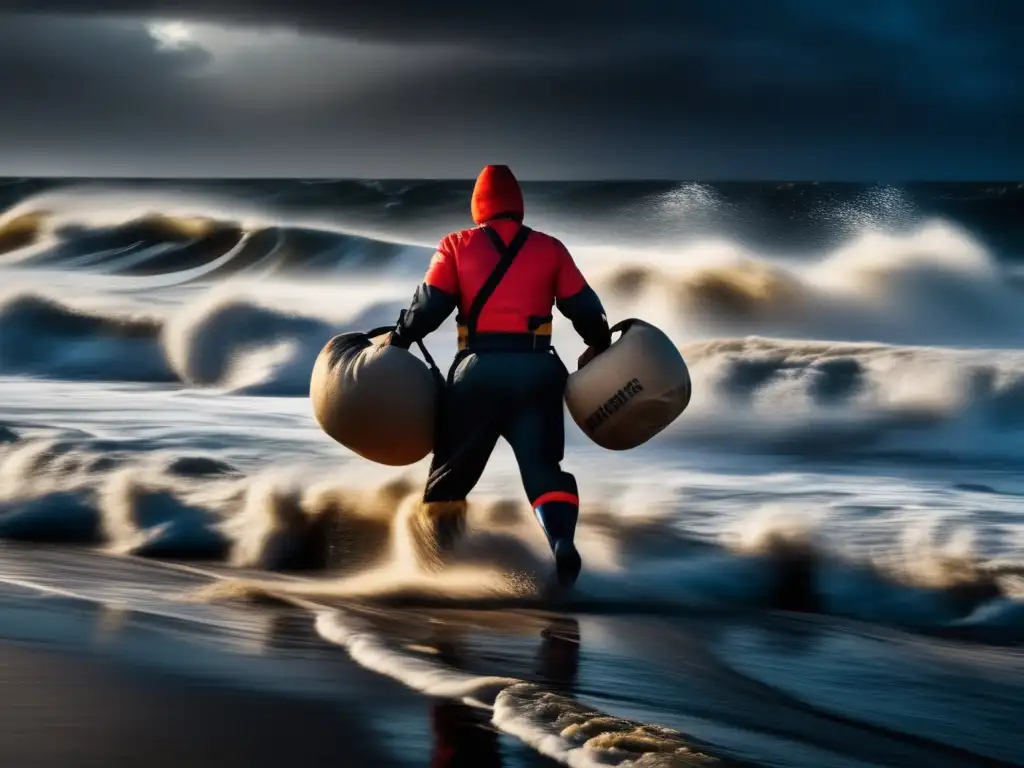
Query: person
x,y
506,379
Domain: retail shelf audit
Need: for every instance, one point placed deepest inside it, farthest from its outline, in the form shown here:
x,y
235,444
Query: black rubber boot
x,y
558,521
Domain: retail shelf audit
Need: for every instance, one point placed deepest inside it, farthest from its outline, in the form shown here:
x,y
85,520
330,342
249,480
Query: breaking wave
x,y
844,398
227,339
133,498
158,241
752,393
932,285
894,278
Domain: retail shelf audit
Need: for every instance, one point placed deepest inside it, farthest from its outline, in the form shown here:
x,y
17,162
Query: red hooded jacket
x,y
542,275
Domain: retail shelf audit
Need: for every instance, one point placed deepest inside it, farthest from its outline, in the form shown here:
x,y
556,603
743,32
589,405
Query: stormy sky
x,y
716,89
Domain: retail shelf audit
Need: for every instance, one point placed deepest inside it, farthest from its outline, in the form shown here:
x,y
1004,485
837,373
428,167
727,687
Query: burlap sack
x,y
377,401
632,391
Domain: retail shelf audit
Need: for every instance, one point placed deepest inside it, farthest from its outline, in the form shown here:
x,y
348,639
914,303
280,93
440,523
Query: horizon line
x,y
522,179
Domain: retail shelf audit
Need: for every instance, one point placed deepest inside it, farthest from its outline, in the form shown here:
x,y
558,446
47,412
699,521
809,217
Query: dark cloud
x,y
694,24
789,88
454,21
70,87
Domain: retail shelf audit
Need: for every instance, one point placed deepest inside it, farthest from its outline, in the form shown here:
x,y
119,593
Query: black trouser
x,y
516,395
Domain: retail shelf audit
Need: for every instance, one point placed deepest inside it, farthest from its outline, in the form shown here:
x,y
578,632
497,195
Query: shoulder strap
x,y
508,254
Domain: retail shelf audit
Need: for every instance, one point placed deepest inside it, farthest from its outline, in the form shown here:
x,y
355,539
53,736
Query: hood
x,y
496,194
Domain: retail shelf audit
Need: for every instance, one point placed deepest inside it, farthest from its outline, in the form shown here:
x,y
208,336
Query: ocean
x,y
820,563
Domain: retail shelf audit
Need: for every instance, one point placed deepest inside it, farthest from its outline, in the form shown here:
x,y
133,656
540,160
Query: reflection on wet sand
x,y
463,735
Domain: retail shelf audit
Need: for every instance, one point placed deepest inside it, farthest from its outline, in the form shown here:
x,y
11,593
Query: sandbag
x,y
632,391
378,401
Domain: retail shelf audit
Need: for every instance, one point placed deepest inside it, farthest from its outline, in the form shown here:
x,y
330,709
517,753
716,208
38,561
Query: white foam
x,y
583,737
886,287
372,651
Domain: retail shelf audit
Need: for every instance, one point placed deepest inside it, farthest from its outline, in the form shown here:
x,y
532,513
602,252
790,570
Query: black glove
x,y
586,357
394,339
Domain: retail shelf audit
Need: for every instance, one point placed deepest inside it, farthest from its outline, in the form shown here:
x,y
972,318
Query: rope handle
x,y
624,325
423,348
620,327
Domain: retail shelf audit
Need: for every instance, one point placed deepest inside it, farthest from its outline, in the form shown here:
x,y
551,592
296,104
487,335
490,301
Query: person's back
x,y
504,279
541,272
